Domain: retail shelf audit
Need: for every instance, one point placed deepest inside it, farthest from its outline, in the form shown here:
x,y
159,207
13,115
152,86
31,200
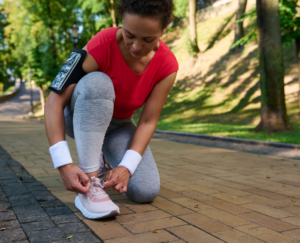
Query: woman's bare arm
x,y
150,115
118,177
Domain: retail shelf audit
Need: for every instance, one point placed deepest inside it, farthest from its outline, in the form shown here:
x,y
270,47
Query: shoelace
x,y
103,170
97,191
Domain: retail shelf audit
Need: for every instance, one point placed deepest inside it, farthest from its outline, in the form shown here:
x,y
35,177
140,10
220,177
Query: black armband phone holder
x,y
70,73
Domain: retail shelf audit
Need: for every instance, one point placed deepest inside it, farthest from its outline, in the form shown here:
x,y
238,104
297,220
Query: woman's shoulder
x,y
106,34
166,54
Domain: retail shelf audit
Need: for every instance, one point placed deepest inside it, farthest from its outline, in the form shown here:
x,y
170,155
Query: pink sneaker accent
x,y
96,203
103,169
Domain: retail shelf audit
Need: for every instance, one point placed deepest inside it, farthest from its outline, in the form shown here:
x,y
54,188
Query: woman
x,y
126,68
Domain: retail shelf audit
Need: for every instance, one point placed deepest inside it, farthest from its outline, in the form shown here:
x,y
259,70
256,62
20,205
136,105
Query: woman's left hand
x,y
118,178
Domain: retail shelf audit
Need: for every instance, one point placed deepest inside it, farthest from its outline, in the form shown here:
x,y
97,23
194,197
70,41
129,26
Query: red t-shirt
x,y
131,89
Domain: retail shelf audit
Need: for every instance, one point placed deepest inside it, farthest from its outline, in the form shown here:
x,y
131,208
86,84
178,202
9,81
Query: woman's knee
x,y
143,194
96,85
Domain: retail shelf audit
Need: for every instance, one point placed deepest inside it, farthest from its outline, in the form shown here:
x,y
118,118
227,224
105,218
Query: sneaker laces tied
x,y
97,191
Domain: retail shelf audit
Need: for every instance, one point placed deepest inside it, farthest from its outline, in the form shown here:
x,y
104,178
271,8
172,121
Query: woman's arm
x,y
55,128
150,115
147,124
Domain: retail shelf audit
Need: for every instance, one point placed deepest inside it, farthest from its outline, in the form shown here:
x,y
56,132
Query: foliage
x,y
180,8
4,61
289,23
35,35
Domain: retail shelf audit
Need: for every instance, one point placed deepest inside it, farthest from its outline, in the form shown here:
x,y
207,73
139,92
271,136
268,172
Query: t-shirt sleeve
x,y
98,48
169,65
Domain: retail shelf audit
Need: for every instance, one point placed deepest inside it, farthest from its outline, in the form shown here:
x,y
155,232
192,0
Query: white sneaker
x,y
96,204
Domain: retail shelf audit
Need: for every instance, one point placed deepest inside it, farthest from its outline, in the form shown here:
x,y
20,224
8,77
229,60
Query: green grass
x,y
8,87
234,131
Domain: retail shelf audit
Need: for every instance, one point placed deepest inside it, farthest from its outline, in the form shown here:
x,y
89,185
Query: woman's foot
x,y
96,204
104,169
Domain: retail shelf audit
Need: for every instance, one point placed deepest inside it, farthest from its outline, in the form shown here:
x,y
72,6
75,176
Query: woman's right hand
x,y
74,178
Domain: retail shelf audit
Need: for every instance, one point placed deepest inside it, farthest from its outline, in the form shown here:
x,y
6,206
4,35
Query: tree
x,y
105,9
273,108
239,28
194,49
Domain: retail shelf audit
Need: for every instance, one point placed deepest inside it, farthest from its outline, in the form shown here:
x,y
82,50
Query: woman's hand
x,y
74,178
118,178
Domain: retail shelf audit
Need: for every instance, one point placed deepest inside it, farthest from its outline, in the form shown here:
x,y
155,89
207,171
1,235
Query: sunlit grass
x,y
234,131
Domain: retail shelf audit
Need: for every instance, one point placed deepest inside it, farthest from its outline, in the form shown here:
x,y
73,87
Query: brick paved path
x,y
16,106
207,194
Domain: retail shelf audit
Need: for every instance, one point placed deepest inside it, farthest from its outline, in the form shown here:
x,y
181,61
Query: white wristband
x,y
131,160
60,154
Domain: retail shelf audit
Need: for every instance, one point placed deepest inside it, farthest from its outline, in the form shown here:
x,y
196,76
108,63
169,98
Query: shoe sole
x,y
90,215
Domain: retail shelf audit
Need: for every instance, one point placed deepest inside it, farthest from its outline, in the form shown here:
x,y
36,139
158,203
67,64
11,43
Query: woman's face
x,y
140,34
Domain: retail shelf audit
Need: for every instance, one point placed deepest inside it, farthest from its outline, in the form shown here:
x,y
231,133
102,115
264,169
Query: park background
x,y
217,90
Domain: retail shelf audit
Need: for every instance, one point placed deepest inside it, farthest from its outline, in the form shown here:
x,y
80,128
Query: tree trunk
x,y
239,28
297,42
42,96
192,23
273,109
112,13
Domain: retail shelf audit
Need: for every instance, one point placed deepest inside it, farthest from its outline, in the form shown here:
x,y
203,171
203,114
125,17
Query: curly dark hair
x,y
155,9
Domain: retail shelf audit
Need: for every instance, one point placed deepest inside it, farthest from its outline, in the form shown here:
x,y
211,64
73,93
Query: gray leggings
x,y
88,118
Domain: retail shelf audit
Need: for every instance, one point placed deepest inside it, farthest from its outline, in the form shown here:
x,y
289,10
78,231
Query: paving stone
x,y
191,204
267,210
268,194
4,206
293,233
42,196
166,193
7,175
171,207
193,235
136,207
295,210
268,222
231,198
197,196
37,188
34,226
52,203
48,235
205,223
9,215
84,238
29,179
162,236
124,210
31,213
143,216
140,227
264,234
228,207
69,228
266,201
224,217
11,235
234,236
15,189
10,224
4,182
293,220
65,218
107,228
24,200
58,211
